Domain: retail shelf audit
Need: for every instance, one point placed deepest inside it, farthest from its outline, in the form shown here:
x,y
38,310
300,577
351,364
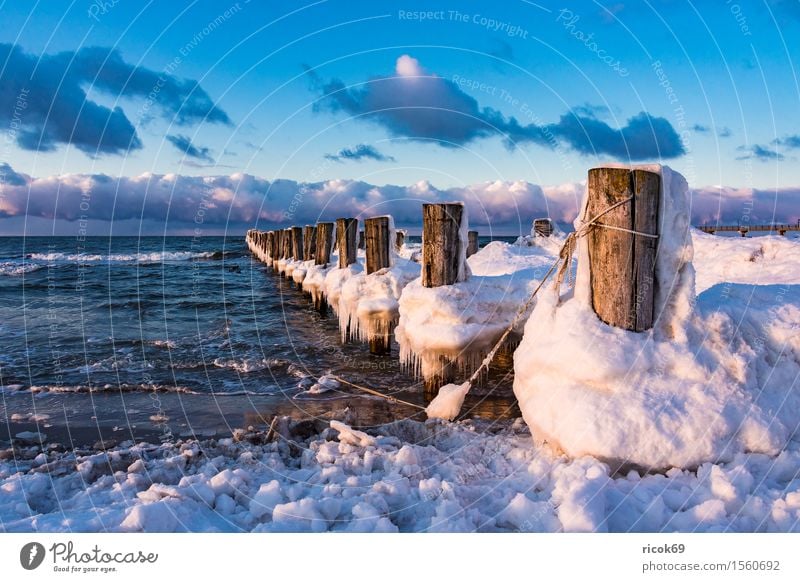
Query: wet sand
x,y
86,419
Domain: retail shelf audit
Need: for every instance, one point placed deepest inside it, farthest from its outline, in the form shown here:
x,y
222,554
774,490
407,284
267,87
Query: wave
x,y
108,388
156,257
11,269
251,364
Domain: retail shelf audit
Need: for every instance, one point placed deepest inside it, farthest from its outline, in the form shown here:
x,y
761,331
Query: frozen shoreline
x,y
401,476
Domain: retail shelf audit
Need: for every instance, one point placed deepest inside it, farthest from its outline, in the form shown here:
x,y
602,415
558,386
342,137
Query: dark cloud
x,y
791,142
184,145
359,152
704,129
45,99
8,177
760,153
643,137
417,105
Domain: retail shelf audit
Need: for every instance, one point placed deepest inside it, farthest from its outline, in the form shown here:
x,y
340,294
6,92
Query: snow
x,y
448,401
713,379
757,260
460,323
689,427
368,305
404,476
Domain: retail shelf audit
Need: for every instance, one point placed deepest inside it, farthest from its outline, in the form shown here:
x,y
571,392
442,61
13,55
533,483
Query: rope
x,y
376,393
564,258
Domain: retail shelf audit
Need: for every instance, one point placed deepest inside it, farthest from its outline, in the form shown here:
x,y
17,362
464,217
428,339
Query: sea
x,y
131,338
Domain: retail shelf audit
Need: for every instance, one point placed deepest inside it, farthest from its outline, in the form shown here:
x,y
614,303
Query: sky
x,y
131,117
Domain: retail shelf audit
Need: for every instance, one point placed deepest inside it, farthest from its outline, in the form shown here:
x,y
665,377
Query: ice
x,y
404,476
460,323
448,401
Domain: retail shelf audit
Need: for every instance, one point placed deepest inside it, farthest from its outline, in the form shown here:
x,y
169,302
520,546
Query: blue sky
x,y
455,93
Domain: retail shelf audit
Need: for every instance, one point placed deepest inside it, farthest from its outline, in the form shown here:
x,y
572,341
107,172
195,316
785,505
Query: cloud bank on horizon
x,y
241,201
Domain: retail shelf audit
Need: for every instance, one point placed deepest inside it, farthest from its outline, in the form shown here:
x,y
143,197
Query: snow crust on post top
x,y
460,323
698,387
368,305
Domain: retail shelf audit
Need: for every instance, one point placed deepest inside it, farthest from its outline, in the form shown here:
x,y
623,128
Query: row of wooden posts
x,y
622,262
442,223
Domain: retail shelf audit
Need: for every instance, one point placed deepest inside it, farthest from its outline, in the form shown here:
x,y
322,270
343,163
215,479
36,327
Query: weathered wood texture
x,y
270,244
362,243
399,239
622,264
274,244
543,227
324,243
287,244
377,241
432,384
297,243
472,242
441,245
346,230
309,242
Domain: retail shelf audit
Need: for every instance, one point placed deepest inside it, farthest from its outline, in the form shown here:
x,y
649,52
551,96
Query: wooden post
x,y
270,238
276,240
362,244
472,242
377,243
441,245
399,239
324,243
309,242
543,227
623,265
346,229
287,243
297,243
743,231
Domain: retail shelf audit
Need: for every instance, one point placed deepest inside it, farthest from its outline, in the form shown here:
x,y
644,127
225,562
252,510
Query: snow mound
x,y
368,305
706,383
758,260
460,323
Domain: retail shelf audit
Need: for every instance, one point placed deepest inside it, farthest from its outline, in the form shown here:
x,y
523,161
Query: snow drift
x,y
712,379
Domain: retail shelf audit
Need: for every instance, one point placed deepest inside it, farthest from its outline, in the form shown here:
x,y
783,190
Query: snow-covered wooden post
x,y
377,243
376,235
472,242
346,229
362,243
442,256
287,243
623,264
399,239
543,227
442,264
297,243
309,242
276,246
270,237
324,243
